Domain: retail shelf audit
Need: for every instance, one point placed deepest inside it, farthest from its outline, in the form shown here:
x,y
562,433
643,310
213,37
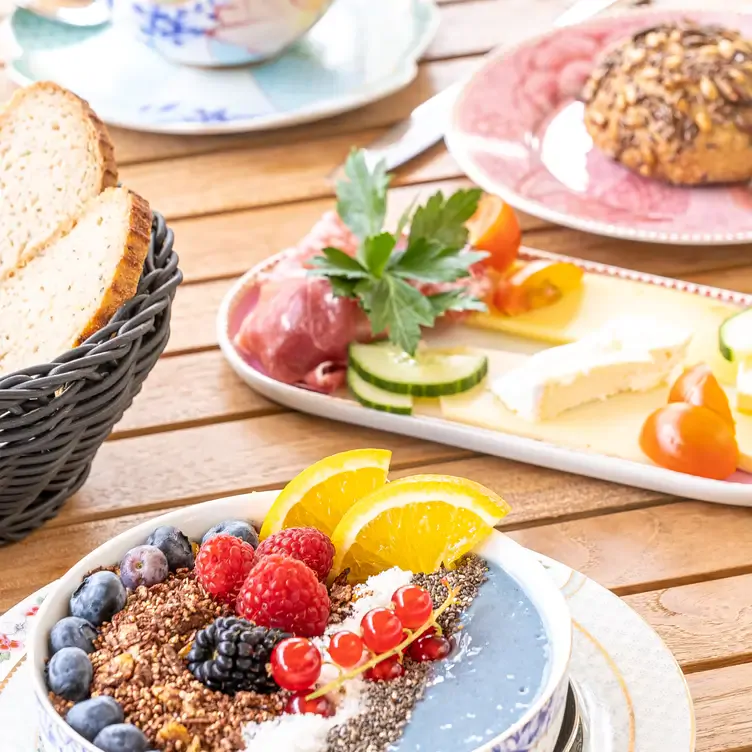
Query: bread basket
x,y
55,416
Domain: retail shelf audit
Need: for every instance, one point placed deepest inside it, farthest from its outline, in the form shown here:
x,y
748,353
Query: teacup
x,y
218,33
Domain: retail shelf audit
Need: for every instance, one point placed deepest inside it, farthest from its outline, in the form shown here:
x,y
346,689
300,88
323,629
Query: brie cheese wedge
x,y
630,354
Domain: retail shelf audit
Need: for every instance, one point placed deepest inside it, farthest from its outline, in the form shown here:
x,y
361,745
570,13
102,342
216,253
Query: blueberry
x,y
98,598
89,717
72,632
123,737
69,674
174,545
237,528
143,565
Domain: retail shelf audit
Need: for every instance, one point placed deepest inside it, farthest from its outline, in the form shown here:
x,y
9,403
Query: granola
x,y
138,662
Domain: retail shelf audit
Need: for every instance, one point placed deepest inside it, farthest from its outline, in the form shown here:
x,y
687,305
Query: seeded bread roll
x,y
55,155
76,282
674,103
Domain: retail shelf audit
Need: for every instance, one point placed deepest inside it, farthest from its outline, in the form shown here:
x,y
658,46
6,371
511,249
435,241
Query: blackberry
x,y
231,655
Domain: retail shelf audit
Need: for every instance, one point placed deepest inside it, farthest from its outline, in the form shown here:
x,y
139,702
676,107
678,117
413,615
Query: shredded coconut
x,y
375,592
308,733
304,733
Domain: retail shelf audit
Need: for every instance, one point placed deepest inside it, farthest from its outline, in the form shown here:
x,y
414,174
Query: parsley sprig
x,y
380,275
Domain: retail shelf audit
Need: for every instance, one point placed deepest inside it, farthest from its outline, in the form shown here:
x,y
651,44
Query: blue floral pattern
x,y
55,737
178,25
540,732
174,112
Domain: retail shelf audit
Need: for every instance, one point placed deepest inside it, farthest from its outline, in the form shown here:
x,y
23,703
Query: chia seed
x,y
389,705
469,575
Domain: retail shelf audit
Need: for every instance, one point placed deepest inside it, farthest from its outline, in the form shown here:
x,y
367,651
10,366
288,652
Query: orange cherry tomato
x,y
511,299
690,439
494,228
698,386
535,284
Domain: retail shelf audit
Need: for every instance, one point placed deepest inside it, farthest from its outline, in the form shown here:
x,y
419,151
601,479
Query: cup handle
x,y
96,13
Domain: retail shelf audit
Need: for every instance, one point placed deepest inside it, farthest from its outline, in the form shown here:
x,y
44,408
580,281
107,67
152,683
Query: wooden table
x,y
196,432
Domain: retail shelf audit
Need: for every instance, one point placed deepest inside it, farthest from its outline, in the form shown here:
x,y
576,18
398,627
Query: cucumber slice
x,y
735,336
378,399
431,373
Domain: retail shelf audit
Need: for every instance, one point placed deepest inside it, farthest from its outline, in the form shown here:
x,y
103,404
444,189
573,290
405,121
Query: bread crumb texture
x,y
55,155
72,247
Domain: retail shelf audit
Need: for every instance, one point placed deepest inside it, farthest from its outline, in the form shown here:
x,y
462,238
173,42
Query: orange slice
x,y
320,495
415,523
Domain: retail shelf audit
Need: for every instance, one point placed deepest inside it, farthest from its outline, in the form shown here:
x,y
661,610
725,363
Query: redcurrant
x,y
413,605
386,670
298,705
430,648
296,664
346,649
382,630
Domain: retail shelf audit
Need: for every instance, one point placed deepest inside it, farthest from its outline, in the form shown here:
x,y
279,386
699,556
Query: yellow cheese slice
x,y
744,387
610,427
601,298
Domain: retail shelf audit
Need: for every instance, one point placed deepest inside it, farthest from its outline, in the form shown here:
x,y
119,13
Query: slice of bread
x,y
55,155
76,281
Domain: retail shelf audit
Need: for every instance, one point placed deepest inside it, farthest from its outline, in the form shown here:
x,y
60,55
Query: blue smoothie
x,y
494,675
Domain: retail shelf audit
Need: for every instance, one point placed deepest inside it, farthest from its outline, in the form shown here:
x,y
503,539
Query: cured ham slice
x,y
299,330
329,231
300,326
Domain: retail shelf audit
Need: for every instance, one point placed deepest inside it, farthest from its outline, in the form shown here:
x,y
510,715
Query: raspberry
x,y
306,544
222,565
285,594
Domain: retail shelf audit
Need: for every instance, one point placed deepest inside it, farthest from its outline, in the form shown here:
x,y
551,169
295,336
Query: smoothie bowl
x,y
372,616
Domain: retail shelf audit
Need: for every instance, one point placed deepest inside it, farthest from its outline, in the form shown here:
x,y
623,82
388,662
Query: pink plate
x,y
517,130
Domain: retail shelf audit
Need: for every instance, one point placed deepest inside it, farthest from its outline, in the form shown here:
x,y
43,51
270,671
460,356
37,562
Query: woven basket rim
x,y
130,322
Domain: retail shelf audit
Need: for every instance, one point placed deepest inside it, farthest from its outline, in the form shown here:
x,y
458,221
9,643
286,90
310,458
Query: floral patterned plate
x,y
631,693
18,711
517,130
359,52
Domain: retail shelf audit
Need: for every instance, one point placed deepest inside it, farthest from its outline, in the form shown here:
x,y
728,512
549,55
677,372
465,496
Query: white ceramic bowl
x,y
216,33
536,731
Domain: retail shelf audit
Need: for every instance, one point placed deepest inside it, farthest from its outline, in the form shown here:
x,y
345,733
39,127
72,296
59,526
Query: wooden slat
x,y
193,316
244,178
722,699
227,245
48,553
668,261
189,391
703,624
477,26
537,495
646,549
534,494
194,464
739,278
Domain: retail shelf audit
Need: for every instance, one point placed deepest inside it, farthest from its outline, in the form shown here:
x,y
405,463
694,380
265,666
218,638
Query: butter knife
x,y
428,122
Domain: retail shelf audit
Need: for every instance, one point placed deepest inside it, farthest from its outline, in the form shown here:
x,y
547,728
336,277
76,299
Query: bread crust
x,y
673,103
128,272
